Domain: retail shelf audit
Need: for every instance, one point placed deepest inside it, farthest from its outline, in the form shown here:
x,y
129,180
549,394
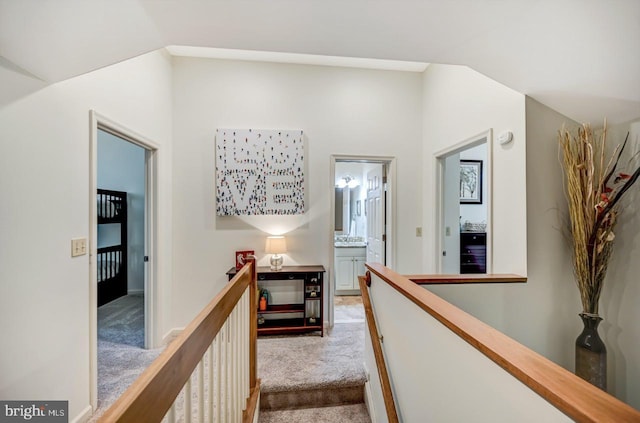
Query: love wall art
x,y
259,172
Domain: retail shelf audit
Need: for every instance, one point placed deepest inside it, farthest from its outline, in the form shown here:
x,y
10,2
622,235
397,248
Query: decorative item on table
x,y
263,303
241,258
260,319
312,311
276,245
474,227
313,289
594,184
264,299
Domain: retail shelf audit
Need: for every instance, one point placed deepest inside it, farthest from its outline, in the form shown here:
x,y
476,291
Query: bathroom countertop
x,y
351,244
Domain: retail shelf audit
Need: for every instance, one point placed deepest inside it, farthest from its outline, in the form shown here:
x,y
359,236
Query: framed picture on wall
x,y
470,181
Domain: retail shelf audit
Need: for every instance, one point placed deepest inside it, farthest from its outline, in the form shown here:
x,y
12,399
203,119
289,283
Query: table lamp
x,y
276,245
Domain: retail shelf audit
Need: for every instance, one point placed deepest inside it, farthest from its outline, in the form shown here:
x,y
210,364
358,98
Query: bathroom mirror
x,y
345,208
338,218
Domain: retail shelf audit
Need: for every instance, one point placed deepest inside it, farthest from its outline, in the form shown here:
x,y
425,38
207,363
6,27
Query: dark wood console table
x,y
302,310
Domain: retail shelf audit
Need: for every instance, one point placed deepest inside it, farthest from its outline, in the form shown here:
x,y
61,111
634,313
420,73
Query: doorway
x,y
122,241
464,207
361,225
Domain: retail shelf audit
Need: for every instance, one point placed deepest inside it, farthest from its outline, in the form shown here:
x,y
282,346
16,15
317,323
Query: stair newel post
x,y
253,323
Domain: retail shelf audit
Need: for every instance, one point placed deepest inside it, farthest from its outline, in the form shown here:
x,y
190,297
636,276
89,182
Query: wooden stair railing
x,y
233,315
385,383
569,394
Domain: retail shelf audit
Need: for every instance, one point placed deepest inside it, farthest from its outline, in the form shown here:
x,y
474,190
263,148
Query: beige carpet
x,y
299,362
302,361
308,378
121,356
356,413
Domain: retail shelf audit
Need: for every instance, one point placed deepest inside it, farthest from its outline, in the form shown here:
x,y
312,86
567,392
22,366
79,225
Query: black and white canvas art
x,y
259,172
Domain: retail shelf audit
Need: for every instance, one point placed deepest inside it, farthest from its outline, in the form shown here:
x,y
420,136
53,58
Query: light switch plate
x,y
78,247
419,231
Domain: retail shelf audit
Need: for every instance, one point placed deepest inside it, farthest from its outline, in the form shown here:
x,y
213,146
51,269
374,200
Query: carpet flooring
x,y
300,362
121,354
356,413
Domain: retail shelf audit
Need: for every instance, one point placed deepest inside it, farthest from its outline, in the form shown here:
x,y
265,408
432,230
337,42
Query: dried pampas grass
x,y
593,187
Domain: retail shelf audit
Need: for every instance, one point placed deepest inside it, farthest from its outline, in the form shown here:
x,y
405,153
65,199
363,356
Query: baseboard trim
x,y
135,291
84,415
171,335
368,397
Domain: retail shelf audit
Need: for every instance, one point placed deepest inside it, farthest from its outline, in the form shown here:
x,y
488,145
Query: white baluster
x,y
201,391
171,415
219,359
210,382
187,401
226,372
234,366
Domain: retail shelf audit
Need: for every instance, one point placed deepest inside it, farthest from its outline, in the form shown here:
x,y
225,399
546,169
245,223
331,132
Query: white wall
x,y
341,111
436,376
44,181
121,168
543,313
458,104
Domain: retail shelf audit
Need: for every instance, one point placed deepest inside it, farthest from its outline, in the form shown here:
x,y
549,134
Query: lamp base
x,y
276,262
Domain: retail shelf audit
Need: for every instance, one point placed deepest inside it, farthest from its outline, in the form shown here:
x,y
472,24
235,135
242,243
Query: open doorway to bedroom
x,y
120,259
122,242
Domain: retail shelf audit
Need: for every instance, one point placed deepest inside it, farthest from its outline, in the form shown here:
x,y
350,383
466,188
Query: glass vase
x,y
591,353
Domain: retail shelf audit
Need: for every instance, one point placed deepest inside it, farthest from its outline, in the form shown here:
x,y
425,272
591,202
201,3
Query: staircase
x,y
312,378
326,404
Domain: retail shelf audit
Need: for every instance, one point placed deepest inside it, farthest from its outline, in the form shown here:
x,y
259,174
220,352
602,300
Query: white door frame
x,y
390,230
98,121
439,158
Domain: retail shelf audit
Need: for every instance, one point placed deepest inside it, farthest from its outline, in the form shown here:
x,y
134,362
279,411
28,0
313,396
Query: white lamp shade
x,y
276,245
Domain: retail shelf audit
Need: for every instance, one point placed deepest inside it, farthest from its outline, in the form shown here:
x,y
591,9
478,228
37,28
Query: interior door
x,y
451,220
375,210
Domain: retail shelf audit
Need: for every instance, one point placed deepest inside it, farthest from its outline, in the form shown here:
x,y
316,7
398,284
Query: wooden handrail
x,y
385,383
151,395
466,279
570,394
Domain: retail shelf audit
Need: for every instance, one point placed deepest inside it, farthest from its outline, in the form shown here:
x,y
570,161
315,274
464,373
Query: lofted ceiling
x,y
579,57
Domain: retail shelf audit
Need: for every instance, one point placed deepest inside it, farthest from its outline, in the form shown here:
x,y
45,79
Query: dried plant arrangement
x,y
595,182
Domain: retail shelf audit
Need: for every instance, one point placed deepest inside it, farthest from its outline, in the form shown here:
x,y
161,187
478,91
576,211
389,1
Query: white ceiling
x,y
580,57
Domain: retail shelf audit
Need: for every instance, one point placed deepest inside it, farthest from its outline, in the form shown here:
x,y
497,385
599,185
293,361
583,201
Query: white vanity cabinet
x,y
349,264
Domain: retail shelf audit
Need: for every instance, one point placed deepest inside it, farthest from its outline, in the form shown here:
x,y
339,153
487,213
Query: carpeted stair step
x,y
354,413
318,396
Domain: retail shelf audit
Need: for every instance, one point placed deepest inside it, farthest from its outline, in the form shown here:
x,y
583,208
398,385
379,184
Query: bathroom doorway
x,y
361,227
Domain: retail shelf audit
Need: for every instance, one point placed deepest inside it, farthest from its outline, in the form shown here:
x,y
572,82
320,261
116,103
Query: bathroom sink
x,y
346,244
